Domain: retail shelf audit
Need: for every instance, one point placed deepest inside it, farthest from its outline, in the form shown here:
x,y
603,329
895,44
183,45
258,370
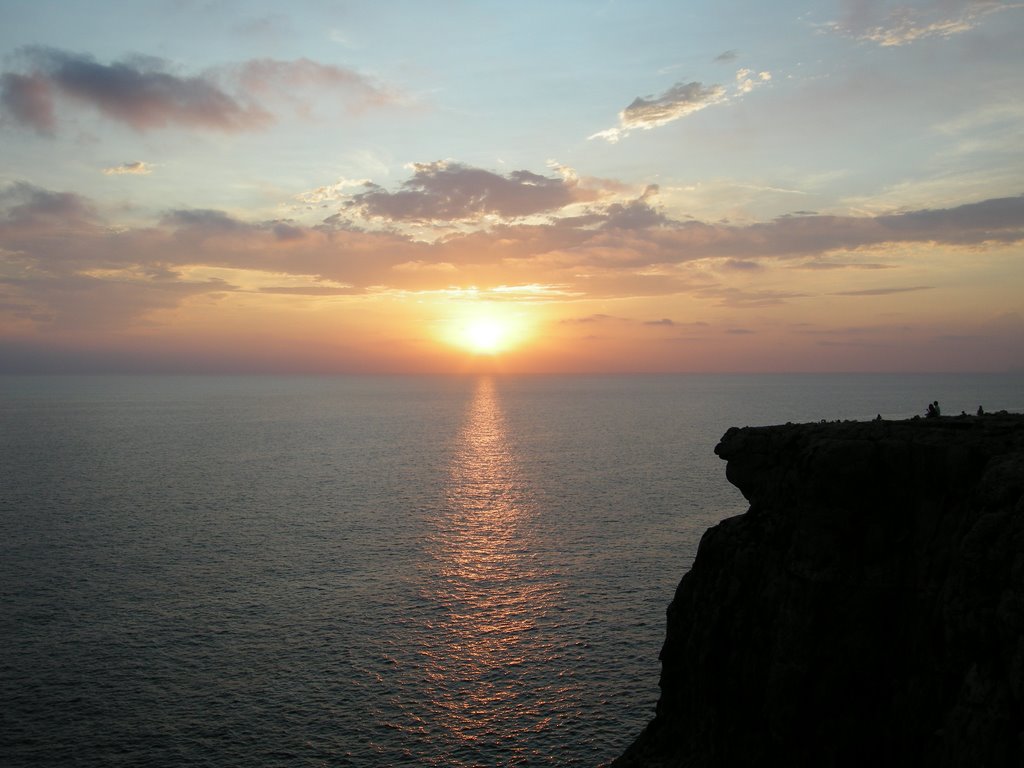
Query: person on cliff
x,y
933,410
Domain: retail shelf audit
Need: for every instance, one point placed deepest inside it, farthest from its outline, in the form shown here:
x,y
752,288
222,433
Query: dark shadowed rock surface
x,y
867,610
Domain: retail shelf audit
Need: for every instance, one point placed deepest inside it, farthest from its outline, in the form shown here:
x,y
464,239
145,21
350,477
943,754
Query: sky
x,y
441,187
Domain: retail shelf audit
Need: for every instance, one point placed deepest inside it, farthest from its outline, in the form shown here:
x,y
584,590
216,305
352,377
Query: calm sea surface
x,y
364,571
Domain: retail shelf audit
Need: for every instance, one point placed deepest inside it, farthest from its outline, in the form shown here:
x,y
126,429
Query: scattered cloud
x,y
136,168
332,193
450,191
648,112
727,56
747,80
664,321
679,101
905,25
147,93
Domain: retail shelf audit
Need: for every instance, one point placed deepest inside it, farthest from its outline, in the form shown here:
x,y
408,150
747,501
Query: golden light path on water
x,y
494,591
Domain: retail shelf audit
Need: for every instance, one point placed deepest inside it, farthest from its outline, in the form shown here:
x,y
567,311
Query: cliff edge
x,y
868,609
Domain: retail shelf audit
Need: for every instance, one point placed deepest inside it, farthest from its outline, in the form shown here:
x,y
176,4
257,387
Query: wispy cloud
x,y
679,101
591,319
136,168
883,291
648,112
146,93
905,25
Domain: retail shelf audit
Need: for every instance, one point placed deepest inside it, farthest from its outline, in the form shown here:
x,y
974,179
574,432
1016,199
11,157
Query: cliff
x,y
868,609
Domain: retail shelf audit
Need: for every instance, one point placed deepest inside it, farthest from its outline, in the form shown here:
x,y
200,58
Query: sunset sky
x,y
229,185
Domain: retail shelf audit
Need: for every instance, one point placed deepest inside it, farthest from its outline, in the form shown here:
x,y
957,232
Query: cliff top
x,y
856,457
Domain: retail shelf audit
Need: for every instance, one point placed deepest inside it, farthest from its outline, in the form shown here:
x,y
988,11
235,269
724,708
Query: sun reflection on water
x,y
493,592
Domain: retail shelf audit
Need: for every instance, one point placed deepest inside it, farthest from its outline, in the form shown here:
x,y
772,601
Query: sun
x,y
485,335
487,330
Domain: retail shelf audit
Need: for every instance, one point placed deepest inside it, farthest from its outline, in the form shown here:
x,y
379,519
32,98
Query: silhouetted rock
x,y
867,610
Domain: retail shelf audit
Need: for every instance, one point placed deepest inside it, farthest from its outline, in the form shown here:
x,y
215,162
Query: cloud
x,y
449,191
285,231
818,264
311,290
746,80
27,207
204,221
741,265
272,79
735,297
331,193
679,101
999,220
883,291
664,321
145,93
589,319
649,112
854,330
634,214
135,168
727,56
136,92
58,252
28,100
906,25
79,301
425,266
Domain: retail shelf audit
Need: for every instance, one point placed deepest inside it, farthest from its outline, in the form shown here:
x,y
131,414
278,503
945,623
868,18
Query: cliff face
x,y
868,609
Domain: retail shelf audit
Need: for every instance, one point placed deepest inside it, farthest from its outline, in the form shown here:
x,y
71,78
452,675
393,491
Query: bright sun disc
x,y
485,335
486,331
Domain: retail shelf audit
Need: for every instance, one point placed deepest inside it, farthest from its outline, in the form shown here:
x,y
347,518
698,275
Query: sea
x,y
368,571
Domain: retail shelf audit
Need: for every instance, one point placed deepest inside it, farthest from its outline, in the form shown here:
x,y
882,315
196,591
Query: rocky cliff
x,y
868,609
